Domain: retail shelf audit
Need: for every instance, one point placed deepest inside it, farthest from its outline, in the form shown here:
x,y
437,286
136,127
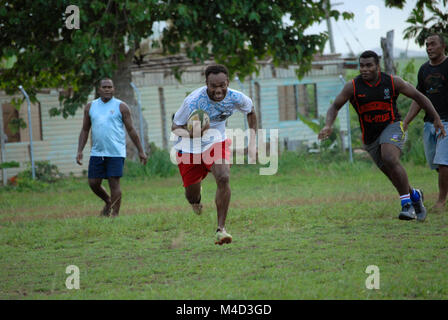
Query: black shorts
x,y
105,167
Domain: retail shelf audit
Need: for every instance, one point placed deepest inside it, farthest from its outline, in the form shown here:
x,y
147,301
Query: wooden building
x,y
279,98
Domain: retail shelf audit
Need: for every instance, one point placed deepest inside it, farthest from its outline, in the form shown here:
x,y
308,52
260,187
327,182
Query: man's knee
x,y
114,184
193,197
390,162
222,180
116,192
193,193
390,157
94,183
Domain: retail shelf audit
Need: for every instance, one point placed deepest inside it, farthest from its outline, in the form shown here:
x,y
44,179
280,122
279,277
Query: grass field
x,y
308,232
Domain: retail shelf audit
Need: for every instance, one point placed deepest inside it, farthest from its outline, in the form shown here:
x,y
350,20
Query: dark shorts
x,y
105,167
392,134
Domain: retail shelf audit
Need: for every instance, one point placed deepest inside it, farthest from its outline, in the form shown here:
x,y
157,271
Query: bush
x,y
159,165
46,173
25,183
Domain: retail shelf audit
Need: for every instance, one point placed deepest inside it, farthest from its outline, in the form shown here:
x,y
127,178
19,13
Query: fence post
x,y
142,138
349,131
33,169
2,147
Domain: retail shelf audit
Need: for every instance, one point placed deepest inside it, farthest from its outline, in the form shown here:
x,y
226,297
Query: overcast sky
x,y
368,26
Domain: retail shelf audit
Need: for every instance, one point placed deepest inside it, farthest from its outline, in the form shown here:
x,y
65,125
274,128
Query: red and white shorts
x,y
194,167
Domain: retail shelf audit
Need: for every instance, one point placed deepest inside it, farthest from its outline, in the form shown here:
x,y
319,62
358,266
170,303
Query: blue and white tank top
x,y
108,134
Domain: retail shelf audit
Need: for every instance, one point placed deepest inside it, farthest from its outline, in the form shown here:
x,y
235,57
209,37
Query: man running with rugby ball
x,y
198,156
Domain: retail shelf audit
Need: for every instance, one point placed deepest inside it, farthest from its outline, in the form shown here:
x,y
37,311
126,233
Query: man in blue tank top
x,y
373,94
107,116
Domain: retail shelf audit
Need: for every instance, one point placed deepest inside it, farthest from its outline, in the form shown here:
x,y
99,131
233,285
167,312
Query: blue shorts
x,y
105,167
436,150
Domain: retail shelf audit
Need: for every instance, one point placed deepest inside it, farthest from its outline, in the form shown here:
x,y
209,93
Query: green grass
x,y
308,232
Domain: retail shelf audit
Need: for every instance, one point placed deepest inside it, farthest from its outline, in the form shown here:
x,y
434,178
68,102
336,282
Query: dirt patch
x,y
64,213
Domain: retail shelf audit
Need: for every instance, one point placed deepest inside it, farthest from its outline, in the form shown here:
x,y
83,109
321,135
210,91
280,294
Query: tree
x,y
235,32
420,24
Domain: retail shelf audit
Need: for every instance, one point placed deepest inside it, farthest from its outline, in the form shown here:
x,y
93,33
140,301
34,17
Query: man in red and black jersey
x,y
373,94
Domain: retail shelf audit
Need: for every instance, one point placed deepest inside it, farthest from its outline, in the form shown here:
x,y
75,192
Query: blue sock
x,y
415,196
405,198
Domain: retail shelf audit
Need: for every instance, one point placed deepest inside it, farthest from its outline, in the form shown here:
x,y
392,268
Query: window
x,y
10,114
308,100
287,103
11,118
297,99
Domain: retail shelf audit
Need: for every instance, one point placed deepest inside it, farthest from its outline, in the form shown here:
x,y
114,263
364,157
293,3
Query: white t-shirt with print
x,y
218,111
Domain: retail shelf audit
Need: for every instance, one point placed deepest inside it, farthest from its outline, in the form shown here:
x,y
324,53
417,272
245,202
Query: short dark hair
x,y
370,54
104,79
440,36
215,69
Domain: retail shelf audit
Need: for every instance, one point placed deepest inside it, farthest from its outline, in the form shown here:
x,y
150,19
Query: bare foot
x,y
114,214
106,211
439,207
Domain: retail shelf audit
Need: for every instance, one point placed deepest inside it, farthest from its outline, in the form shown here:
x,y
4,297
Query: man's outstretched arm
x,y
412,113
332,112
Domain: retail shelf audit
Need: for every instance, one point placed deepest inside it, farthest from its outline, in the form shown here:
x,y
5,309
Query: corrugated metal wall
x,y
59,140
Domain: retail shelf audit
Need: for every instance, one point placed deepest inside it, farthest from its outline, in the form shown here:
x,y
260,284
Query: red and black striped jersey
x,y
375,104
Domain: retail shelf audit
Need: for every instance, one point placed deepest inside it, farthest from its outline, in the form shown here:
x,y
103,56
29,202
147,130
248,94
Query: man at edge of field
x,y
107,116
433,83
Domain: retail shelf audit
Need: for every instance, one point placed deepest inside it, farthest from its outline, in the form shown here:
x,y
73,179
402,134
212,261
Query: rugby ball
x,y
198,118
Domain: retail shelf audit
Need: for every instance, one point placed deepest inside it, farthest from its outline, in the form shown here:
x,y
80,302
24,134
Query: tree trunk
x,y
122,81
2,147
387,44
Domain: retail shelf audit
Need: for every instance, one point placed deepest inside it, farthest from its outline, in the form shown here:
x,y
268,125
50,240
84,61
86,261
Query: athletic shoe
x,y
420,209
407,212
222,237
197,208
